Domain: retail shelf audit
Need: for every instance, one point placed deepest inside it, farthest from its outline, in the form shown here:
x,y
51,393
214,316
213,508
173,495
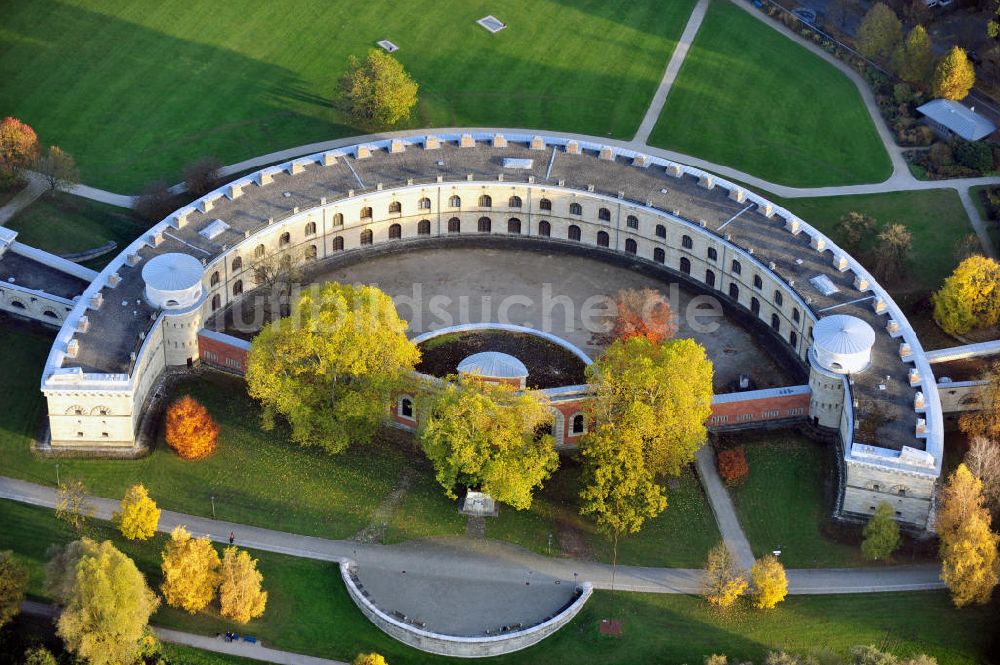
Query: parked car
x,y
805,15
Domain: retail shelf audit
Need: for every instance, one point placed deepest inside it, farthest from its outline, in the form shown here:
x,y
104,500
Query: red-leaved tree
x,y
18,149
642,313
191,431
733,466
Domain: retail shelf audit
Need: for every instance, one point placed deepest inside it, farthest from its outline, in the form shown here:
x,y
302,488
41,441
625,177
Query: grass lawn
x,y
62,224
750,98
134,90
308,611
782,503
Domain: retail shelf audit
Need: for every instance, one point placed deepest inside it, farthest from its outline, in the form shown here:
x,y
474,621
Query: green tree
x,y
969,297
881,533
13,582
853,229
914,59
954,75
105,601
333,367
190,571
657,394
969,561
489,437
139,515
892,252
379,90
39,656
723,583
880,31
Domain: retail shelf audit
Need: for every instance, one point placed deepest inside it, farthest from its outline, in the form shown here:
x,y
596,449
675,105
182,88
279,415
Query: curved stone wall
x,y
455,646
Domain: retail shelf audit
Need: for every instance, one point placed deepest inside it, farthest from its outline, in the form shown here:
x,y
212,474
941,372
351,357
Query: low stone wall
x,y
455,646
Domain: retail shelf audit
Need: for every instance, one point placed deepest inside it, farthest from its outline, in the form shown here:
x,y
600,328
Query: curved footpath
x,y
459,559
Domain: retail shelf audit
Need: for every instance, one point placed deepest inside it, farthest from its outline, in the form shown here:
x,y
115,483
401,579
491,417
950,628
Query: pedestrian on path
x,y
232,537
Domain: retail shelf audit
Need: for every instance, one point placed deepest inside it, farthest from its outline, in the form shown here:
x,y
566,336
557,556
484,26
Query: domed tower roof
x,y
843,344
173,280
493,365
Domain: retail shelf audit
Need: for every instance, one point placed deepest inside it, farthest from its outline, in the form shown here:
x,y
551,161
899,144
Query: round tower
x,y
841,345
174,285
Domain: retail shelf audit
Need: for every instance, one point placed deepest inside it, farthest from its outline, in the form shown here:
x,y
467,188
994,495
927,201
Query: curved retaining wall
x,y
452,645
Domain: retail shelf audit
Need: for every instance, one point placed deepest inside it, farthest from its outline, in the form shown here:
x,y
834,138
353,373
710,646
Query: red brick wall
x,y
224,356
756,410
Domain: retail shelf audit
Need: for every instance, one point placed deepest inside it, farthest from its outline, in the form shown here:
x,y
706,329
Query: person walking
x,y
232,537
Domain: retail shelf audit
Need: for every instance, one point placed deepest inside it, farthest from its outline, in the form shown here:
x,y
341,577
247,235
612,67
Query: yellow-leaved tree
x,y
333,367
240,595
139,515
370,659
770,582
723,582
488,437
970,297
969,560
954,75
190,571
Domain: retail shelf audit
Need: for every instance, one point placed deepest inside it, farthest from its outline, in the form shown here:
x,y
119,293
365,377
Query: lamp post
x,y
58,484
213,507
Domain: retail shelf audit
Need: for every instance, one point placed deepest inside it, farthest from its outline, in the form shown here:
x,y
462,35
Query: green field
x,y
752,99
657,628
137,89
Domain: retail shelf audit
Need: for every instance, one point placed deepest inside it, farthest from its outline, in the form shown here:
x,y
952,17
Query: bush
x,y
154,203
203,176
940,155
975,155
733,465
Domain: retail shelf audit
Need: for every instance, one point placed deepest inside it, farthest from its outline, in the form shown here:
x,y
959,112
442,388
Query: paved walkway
x,y
467,561
670,74
218,645
722,506
35,188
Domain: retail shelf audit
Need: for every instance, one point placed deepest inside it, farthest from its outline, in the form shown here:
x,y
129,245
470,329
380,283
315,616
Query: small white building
x,y
949,118
173,281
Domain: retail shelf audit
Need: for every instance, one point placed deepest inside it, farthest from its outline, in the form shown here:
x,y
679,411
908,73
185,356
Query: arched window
x,y
366,237
603,239
577,426
285,239
311,253
575,209
630,246
544,229
710,278
311,229
215,279
424,203
338,243
514,226
778,298
574,232
737,268
395,208
776,323
18,304
395,232
406,407
424,227
485,201
686,242
659,255
795,314
484,225
216,302
238,263
454,225
338,219
685,265
238,287
632,222
603,214
366,212
661,231
259,251
515,202
734,291
713,255
755,306
758,283
793,339
544,204
455,201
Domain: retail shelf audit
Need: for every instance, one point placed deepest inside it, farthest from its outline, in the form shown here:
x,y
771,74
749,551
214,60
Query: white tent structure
x,y
173,281
843,344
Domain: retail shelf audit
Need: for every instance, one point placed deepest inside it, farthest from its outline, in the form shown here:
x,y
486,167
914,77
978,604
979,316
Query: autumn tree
x,y
277,274
18,149
489,437
954,75
369,659
969,298
13,582
880,31
733,466
202,176
641,313
723,583
966,246
104,598
190,571
983,461
881,533
658,394
914,60
853,229
379,90
985,421
241,597
332,368
73,505
139,515
769,581
969,560
58,168
39,656
191,430
892,252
